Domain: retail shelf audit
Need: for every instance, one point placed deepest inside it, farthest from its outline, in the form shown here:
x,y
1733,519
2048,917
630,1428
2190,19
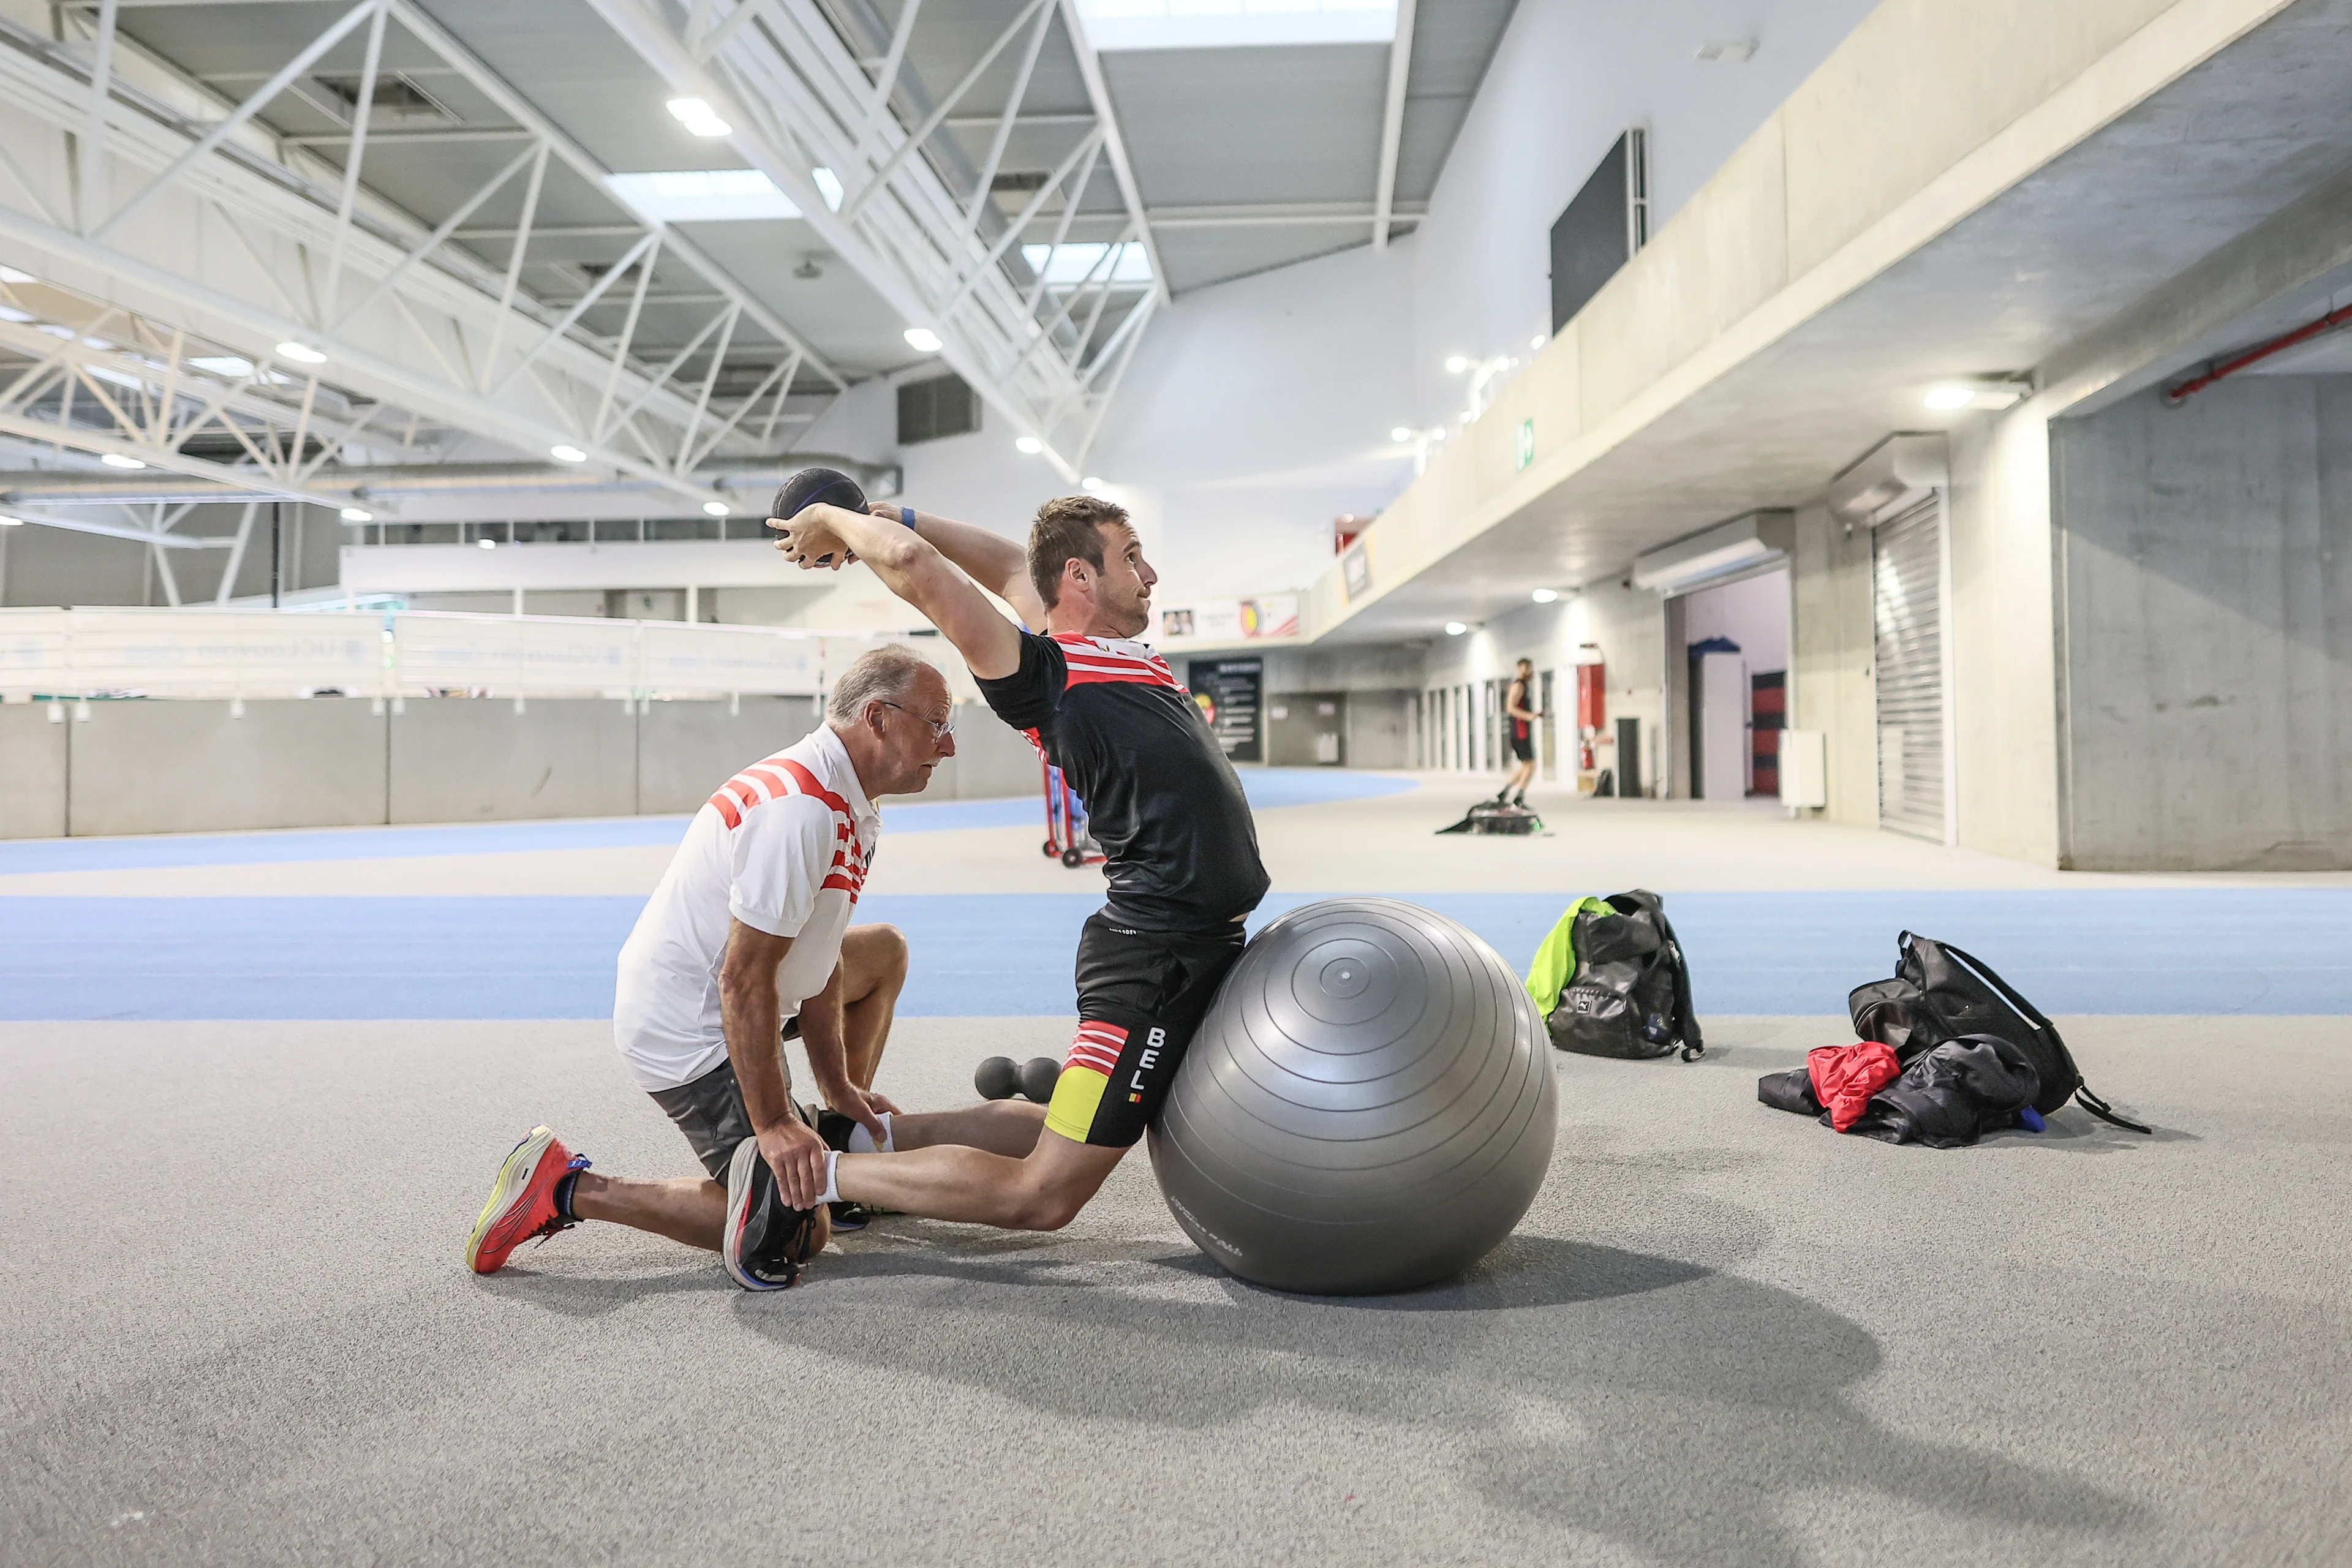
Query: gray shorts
x,y
710,1112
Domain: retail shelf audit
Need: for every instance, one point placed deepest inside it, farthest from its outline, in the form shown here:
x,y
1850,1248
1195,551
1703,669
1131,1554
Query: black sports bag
x,y
1939,993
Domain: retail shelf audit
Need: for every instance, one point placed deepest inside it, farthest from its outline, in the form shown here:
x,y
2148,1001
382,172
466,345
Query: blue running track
x,y
2157,951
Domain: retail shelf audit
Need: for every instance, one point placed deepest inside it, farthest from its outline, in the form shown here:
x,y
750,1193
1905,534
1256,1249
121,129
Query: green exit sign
x,y
1527,442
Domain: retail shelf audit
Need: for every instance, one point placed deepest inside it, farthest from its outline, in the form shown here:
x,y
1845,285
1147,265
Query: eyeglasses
x,y
941,727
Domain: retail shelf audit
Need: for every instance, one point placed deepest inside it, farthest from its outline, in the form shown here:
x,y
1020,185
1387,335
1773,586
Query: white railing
x,y
257,654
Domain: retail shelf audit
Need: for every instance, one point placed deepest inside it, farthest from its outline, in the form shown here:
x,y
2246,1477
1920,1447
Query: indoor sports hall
x,y
1657,693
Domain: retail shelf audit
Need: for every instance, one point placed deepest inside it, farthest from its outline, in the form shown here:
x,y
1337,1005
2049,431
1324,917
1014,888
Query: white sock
x,y
832,1193
861,1141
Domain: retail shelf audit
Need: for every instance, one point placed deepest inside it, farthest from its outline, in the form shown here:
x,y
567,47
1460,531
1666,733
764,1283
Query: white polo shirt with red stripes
x,y
782,846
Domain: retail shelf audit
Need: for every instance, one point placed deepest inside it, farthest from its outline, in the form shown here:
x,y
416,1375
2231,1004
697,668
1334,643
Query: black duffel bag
x,y
1939,994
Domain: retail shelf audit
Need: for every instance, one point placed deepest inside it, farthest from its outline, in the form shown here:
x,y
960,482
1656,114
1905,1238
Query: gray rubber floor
x,y
234,1328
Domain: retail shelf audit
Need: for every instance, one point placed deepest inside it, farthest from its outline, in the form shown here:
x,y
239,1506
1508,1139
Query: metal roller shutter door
x,y
1908,615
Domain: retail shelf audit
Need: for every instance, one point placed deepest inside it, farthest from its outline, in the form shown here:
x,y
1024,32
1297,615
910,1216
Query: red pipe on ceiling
x,y
2304,334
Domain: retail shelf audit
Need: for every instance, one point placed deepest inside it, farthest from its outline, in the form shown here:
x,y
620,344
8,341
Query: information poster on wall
x,y
1228,691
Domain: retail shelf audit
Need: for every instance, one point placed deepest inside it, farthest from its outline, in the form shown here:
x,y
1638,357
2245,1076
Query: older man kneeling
x,y
748,941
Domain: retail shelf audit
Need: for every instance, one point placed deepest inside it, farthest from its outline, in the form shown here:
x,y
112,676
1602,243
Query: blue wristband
x,y
906,515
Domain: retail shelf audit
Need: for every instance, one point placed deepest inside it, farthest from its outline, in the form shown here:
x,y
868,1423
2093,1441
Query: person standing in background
x,y
1519,714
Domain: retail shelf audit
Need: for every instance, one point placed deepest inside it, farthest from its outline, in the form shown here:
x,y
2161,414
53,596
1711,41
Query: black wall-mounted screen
x,y
941,406
1592,238
1229,691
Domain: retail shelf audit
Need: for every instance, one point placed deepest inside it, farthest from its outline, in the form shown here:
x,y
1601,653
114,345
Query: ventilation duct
x,y
1728,549
1891,478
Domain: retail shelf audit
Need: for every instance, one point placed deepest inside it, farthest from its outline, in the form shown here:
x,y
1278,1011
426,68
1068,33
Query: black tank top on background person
x,y
1516,697
1180,845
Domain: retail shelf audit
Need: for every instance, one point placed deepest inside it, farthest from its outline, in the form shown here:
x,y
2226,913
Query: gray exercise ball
x,y
1368,1105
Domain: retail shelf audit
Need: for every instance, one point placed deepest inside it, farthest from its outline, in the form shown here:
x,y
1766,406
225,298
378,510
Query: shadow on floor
x,y
579,1295
1645,1400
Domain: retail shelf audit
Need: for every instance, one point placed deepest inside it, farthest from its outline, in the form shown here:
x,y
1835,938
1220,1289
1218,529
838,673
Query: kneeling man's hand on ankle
x,y
797,1156
864,1107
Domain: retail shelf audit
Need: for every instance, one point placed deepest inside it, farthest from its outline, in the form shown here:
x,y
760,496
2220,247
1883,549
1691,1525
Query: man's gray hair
x,y
884,674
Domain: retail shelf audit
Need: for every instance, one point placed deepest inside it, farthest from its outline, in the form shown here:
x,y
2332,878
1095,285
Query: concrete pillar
x,y
1999,620
2205,629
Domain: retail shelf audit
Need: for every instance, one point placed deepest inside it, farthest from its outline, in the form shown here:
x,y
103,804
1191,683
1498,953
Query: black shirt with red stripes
x,y
1175,828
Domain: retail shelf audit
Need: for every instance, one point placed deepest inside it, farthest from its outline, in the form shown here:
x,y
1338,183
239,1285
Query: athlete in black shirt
x,y
1176,838
1179,842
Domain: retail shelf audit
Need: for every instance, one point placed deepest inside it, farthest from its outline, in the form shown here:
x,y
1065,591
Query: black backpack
x,y
1939,994
1628,993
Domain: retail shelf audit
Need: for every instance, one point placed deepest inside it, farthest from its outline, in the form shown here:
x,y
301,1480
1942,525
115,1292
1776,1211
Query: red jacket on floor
x,y
1846,1076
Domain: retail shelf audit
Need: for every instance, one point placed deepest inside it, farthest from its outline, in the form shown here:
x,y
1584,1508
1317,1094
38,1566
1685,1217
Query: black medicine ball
x,y
811,486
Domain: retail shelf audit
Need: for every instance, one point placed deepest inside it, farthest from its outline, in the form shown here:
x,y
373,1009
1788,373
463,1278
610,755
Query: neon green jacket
x,y
1555,962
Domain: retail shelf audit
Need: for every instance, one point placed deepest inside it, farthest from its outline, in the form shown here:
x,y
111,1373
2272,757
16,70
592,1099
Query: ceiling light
x,y
923,340
715,508
567,454
1028,446
117,461
1400,433
358,514
1949,396
1537,340
1545,595
1090,483
302,353
1454,628
487,543
1456,364
697,117
828,186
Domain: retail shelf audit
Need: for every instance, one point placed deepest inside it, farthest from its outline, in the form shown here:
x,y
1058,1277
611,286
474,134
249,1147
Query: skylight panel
x,y
704,195
1076,264
1235,24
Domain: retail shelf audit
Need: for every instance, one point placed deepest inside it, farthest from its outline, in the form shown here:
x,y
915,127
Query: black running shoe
x,y
849,1216
767,1239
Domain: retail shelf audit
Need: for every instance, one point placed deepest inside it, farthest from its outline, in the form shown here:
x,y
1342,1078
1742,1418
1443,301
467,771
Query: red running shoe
x,y
523,1200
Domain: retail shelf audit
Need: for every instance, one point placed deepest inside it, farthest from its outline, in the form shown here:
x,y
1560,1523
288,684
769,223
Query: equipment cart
x,y
1066,822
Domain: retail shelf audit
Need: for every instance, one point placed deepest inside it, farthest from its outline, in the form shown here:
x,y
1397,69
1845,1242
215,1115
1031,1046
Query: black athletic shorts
x,y
1141,993
1524,748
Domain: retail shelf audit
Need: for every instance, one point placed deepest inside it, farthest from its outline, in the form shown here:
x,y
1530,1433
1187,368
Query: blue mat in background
x,y
2158,950
1265,787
